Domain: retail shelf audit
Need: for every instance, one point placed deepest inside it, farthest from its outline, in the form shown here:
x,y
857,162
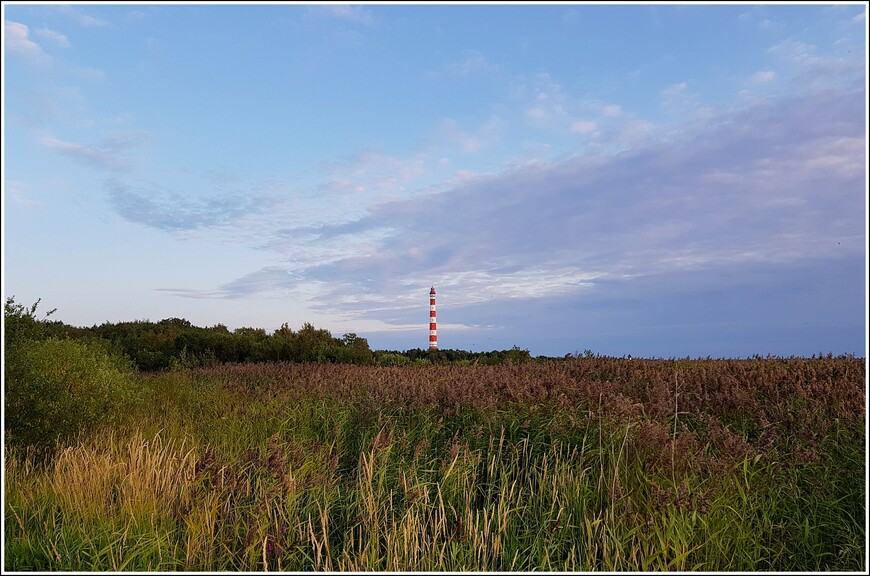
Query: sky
x,y
654,180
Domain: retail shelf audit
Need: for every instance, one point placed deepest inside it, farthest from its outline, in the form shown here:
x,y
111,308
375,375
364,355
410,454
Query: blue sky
x,y
646,179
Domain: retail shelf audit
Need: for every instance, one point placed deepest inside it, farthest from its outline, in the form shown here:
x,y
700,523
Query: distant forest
x,y
175,343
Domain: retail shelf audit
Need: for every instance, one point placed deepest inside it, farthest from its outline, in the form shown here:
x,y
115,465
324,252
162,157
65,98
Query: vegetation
x,y
447,356
578,464
176,343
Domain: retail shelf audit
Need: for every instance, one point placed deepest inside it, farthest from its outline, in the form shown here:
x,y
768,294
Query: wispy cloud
x,y
53,36
612,110
797,51
678,99
453,137
370,171
583,127
345,12
81,18
267,279
88,73
112,154
812,71
171,211
473,63
21,194
764,76
544,101
134,16
758,16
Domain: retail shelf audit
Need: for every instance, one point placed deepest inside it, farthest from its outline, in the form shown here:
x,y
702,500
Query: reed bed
x,y
590,464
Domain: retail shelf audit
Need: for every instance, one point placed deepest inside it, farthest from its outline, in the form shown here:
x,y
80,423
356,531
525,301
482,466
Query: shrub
x,y
20,323
391,359
56,389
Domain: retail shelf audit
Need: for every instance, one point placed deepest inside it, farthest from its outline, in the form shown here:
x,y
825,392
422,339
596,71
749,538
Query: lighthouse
x,y
433,331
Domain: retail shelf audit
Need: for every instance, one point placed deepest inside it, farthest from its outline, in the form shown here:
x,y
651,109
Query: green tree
x,y
355,350
312,344
516,355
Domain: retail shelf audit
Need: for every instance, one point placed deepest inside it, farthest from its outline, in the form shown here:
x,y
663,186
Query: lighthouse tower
x,y
433,331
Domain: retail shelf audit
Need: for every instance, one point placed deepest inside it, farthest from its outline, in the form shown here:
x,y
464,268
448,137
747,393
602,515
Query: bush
x,y
20,323
56,389
392,359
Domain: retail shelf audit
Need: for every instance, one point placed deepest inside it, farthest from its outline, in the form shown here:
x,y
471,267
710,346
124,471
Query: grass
x,y
588,465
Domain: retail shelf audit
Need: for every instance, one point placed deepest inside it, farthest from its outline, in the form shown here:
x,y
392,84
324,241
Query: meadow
x,y
583,464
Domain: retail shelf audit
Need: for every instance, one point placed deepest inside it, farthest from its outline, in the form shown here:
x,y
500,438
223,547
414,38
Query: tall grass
x,y
594,464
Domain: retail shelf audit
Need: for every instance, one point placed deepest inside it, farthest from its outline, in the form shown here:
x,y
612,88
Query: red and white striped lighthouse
x,y
433,331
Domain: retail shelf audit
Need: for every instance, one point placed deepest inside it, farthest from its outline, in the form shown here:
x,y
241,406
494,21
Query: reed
x,y
588,465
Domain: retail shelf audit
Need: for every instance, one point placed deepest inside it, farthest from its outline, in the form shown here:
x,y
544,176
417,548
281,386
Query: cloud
x,y
797,51
612,110
90,21
758,16
454,137
55,37
583,127
474,62
544,101
536,115
172,212
88,73
764,76
814,72
20,193
346,12
367,177
269,278
678,99
80,17
18,39
111,155
778,185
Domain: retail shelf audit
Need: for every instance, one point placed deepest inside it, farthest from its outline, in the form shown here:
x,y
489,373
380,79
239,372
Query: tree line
x,y
177,343
515,355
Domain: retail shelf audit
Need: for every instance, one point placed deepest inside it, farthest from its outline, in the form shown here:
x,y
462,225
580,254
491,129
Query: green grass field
x,y
587,464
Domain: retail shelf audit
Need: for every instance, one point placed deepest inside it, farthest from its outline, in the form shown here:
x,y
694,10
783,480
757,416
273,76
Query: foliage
x,y
176,343
588,464
20,323
56,389
515,355
392,359
248,451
